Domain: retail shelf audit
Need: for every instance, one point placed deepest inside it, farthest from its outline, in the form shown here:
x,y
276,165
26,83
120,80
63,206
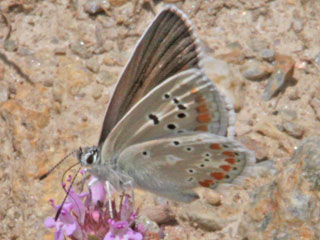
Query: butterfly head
x,y
88,156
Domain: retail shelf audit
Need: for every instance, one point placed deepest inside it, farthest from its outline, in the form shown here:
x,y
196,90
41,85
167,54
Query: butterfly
x,y
167,128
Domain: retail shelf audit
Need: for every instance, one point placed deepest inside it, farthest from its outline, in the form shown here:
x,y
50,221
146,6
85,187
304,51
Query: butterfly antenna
x,y
54,167
65,172
68,192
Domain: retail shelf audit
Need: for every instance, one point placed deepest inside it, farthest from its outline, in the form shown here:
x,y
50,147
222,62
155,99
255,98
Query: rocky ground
x,y
59,61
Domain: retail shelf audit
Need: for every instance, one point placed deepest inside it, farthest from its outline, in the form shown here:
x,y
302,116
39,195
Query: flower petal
x,y
132,235
49,222
69,229
98,192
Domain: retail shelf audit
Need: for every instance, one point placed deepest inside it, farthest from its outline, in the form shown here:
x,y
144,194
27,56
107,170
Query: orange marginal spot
x,y
226,168
194,90
199,99
229,154
217,175
203,128
215,146
204,118
230,160
206,183
202,108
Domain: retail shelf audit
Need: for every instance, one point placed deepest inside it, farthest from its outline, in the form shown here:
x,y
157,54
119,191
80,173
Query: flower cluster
x,y
87,216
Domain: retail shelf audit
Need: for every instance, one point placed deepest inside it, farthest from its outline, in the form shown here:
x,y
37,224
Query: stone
x,y
93,64
4,93
317,59
97,92
94,7
79,49
293,129
106,78
288,114
10,45
255,70
283,73
2,71
228,79
297,25
285,207
117,3
267,55
315,103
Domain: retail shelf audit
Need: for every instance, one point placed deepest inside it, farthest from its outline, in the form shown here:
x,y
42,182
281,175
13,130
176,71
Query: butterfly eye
x,y
90,159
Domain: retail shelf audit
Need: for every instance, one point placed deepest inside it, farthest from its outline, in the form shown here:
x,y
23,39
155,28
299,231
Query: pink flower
x,y
86,215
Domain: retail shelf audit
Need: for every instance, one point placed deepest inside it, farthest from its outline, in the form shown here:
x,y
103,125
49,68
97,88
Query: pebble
x,y
267,55
288,114
317,59
93,64
79,49
284,69
108,45
257,44
10,45
112,59
315,104
2,71
236,56
260,148
309,153
60,51
294,95
265,168
255,70
160,214
117,3
97,92
4,94
228,78
197,215
105,78
57,92
297,25
172,1
93,7
124,14
293,129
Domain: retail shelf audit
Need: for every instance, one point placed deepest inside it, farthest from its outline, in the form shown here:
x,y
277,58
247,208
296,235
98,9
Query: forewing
x,y
167,47
173,166
186,102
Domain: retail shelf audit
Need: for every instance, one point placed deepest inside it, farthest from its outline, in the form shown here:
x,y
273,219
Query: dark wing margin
x,y
168,46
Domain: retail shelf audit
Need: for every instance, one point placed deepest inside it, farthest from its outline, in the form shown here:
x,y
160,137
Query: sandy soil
x,y
58,66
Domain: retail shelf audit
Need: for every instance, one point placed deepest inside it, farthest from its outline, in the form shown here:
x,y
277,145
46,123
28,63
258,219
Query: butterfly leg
x,y
109,198
129,185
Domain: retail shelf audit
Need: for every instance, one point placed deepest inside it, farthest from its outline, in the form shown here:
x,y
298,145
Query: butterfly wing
x,y
168,46
186,102
173,166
